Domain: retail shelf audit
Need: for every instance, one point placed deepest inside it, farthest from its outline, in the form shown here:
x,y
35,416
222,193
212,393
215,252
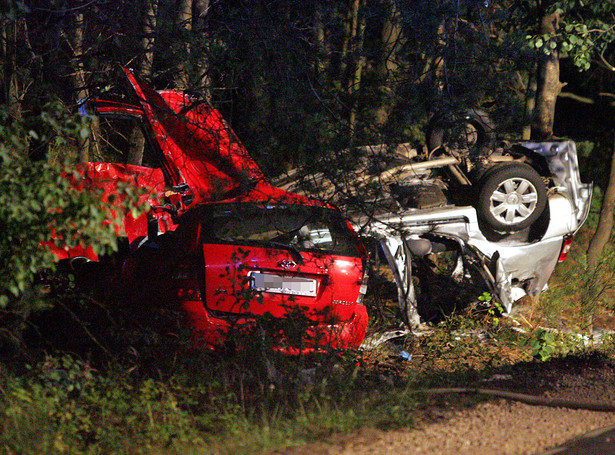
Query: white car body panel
x,y
516,267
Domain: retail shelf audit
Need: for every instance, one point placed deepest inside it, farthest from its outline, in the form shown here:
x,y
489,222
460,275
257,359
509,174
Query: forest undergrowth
x,y
128,389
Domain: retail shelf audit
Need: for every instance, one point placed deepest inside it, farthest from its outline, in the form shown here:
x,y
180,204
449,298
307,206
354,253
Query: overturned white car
x,y
455,224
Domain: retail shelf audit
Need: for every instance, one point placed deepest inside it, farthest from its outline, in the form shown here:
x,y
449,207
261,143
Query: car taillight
x,y
565,249
186,284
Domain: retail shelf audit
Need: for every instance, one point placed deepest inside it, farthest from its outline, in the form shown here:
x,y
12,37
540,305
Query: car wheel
x,y
472,128
511,197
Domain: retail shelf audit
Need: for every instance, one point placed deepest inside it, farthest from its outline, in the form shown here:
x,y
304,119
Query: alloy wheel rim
x,y
513,201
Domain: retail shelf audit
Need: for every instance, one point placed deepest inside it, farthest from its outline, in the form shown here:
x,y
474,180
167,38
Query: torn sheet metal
x,y
199,147
507,264
107,176
511,267
200,158
397,254
562,160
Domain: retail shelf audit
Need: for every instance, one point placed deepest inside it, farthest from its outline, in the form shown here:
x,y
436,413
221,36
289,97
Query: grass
x,y
199,403
575,300
133,391
165,399
214,404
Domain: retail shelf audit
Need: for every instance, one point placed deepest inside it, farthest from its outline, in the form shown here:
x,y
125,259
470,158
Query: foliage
x,y
202,404
40,202
586,30
583,28
494,308
574,299
90,410
545,344
542,344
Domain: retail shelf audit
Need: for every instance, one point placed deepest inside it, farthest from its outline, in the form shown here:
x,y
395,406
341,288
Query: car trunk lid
x,y
278,255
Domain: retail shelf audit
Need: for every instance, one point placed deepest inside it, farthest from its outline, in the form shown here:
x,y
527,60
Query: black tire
x,y
511,197
472,128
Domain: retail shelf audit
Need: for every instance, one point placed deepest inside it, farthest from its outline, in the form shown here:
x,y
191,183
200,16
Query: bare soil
x,y
468,424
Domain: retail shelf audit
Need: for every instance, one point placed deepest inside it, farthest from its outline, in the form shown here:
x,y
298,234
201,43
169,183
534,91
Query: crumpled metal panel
x,y
107,176
518,268
199,148
561,157
512,265
395,249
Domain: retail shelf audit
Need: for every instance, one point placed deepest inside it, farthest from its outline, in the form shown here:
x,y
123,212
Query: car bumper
x,y
288,334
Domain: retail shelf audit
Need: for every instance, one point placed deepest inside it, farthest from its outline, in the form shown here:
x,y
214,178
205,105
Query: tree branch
x,y
579,98
585,100
606,64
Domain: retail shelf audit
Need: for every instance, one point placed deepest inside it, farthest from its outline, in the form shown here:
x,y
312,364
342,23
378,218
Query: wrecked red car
x,y
221,242
262,254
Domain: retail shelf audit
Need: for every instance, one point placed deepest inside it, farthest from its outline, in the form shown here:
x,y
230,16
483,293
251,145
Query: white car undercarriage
x,y
507,243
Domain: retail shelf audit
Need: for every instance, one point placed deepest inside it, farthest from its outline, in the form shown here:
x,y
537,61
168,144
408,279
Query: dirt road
x,y
461,425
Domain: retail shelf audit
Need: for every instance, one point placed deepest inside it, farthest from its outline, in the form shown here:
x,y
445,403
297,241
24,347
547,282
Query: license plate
x,y
280,284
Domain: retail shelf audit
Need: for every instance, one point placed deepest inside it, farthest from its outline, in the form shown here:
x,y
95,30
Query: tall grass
x,y
199,403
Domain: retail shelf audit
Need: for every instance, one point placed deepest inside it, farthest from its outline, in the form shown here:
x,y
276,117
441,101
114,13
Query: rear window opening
x,y
304,228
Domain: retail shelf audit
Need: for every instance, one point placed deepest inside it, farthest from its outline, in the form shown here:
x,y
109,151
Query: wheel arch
x,y
530,157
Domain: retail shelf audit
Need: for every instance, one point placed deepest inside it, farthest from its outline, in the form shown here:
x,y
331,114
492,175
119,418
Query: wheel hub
x,y
513,201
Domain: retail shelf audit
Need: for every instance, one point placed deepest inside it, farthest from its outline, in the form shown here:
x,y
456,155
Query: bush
x,y
38,198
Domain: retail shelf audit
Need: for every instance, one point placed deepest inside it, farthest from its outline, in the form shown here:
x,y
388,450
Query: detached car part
x,y
457,225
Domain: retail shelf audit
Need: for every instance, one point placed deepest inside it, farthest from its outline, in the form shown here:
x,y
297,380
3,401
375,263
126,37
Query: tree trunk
x,y
137,141
185,22
201,62
387,66
78,79
194,68
345,54
530,104
149,37
357,62
11,96
548,85
438,62
605,222
136,147
320,62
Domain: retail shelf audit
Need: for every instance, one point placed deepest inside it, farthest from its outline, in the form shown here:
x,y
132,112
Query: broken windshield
x,y
304,228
